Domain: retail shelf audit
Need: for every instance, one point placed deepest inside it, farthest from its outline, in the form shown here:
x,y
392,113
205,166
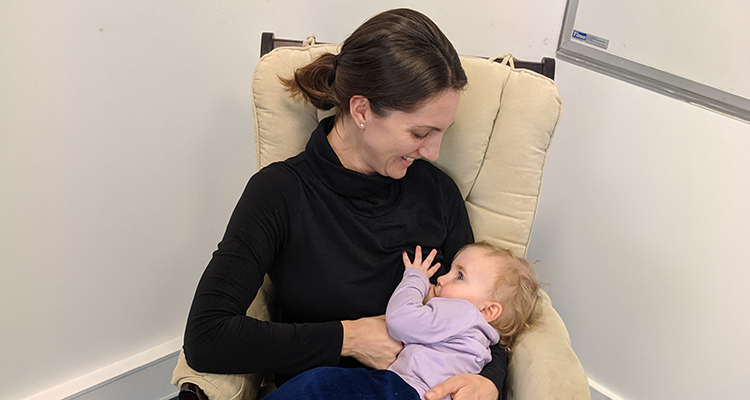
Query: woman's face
x,y
391,143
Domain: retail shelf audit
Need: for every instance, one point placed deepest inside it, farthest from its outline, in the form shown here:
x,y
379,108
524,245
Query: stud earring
x,y
362,125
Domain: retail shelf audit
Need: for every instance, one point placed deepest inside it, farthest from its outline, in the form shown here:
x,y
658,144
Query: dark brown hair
x,y
396,59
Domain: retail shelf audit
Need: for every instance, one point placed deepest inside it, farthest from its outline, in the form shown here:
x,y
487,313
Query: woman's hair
x,y
516,289
396,59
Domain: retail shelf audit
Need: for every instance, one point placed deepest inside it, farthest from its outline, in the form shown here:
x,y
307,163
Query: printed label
x,y
591,39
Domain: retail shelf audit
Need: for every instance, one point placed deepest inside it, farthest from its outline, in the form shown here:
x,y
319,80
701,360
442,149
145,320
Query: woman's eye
x,y
420,136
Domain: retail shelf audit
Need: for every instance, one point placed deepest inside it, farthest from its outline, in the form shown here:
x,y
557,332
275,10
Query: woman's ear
x,y
491,310
359,108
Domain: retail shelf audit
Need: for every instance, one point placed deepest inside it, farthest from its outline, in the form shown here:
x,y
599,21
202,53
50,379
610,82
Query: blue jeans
x,y
335,383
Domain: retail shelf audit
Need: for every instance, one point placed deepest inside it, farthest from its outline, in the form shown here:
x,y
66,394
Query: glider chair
x,y
495,151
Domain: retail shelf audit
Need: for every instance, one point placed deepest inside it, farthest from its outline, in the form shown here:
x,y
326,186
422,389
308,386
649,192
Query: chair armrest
x,y
263,306
543,364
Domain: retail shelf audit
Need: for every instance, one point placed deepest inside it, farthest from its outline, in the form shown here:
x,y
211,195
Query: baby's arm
x,y
405,309
410,321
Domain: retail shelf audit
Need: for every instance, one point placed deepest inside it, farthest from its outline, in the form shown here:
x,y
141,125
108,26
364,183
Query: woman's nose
x,y
431,149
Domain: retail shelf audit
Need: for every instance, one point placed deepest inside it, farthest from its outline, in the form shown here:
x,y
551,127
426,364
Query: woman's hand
x,y
424,266
367,340
464,387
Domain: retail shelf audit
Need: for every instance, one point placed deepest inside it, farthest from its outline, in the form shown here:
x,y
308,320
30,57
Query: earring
x,y
362,126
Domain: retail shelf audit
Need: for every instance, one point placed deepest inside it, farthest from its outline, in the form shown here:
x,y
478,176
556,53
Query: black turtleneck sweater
x,y
331,240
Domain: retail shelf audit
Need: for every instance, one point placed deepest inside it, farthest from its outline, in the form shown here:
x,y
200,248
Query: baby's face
x,y
472,277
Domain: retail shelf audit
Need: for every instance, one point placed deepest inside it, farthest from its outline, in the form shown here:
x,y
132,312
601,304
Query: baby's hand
x,y
423,266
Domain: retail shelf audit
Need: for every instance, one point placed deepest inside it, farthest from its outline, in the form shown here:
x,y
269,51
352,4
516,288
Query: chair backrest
x,y
495,151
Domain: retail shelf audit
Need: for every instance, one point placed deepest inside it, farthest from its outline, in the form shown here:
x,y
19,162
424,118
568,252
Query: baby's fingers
x,y
418,255
430,258
405,257
431,271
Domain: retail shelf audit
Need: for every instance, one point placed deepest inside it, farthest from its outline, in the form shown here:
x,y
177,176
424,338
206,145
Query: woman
x,y
329,225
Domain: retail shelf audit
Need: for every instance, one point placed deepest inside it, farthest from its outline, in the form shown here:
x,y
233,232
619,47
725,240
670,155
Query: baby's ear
x,y
492,310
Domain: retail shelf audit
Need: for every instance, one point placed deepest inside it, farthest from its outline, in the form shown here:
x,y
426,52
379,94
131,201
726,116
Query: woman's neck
x,y
344,139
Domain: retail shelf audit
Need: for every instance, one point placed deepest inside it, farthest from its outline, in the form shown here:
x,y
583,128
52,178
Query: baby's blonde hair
x,y
516,289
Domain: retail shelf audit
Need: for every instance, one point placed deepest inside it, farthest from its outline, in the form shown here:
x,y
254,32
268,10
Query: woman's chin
x,y
397,175
398,169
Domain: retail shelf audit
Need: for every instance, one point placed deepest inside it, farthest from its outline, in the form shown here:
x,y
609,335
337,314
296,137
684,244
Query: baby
x,y
488,297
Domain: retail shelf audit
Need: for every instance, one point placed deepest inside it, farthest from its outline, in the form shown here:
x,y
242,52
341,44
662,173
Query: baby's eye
x,y
460,276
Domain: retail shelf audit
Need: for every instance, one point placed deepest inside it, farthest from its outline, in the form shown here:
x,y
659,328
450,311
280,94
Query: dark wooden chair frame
x,y
546,67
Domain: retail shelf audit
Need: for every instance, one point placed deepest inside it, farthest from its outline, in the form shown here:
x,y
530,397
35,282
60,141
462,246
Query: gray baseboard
x,y
147,382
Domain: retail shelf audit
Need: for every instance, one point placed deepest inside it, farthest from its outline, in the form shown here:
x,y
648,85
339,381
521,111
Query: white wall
x,y
126,138
644,235
124,141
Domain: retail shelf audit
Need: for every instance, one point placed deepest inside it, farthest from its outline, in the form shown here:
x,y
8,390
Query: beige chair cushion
x,y
495,152
543,364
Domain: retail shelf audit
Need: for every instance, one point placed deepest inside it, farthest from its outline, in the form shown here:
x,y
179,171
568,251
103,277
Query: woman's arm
x,y
219,338
497,369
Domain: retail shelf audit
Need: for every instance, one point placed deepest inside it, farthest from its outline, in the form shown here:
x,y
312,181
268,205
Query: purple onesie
x,y
442,338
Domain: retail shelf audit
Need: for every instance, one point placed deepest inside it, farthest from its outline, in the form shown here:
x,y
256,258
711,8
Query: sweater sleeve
x,y
219,338
497,369
410,321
